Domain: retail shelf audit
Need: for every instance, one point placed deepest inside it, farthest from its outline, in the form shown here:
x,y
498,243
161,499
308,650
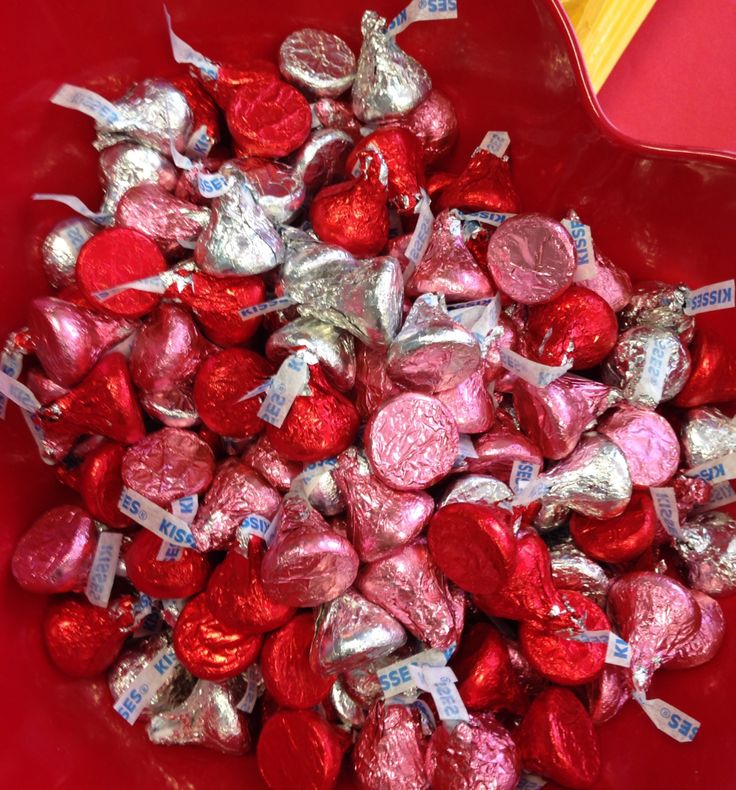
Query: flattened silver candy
x,y
707,434
60,249
388,82
321,160
317,61
709,551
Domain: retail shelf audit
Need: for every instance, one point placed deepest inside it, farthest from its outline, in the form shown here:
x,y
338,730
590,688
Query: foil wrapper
x,y
173,408
45,390
68,340
334,114
484,185
625,367
391,730
351,631
290,677
208,717
153,113
379,518
388,82
648,442
607,694
476,753
532,258
167,465
54,555
176,688
476,489
434,123
470,404
432,352
499,448
125,165
573,570
324,495
349,713
278,472
363,298
409,585
277,187
690,493
556,416
240,238
707,434
610,282
661,305
708,550
448,267
309,563
373,385
321,160
101,484
656,615
333,347
557,740
318,62
60,248
704,645
411,442
505,335
162,217
713,372
237,491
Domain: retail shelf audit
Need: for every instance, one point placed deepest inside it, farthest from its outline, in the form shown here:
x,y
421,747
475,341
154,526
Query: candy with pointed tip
x,y
321,160
236,595
607,694
373,385
409,585
318,62
277,187
660,305
309,563
708,550
68,340
209,648
153,113
574,570
125,165
505,335
61,246
499,448
354,214
54,555
610,282
45,390
690,493
557,740
101,484
351,631
707,434
388,82
104,403
484,185
206,129
290,677
704,644
167,465
470,404
475,753
556,416
713,372
396,730
657,616
434,123
83,640
379,518
208,717
278,472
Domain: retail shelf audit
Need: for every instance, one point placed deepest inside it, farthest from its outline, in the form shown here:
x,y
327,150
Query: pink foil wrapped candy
x,y
434,122
380,519
706,642
610,282
470,404
174,408
411,587
277,471
373,385
499,448
504,335
708,550
309,563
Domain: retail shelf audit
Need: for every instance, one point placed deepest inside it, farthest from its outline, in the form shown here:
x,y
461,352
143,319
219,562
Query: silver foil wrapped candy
x,y
321,160
318,62
659,305
573,570
61,246
707,434
277,187
709,552
476,488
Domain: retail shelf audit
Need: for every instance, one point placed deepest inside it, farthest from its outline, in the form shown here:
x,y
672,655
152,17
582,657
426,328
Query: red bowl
x,y
507,64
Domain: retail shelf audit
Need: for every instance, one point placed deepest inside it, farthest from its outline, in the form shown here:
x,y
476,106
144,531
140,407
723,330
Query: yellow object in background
x,y
604,29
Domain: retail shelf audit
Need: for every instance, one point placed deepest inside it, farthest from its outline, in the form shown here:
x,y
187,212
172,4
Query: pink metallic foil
x,y
703,645
708,550
411,442
531,258
411,587
373,385
504,335
278,472
435,124
607,694
173,408
499,448
610,282
167,465
470,404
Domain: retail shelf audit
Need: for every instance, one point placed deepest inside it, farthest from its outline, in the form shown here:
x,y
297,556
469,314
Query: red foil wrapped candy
x,y
484,185
101,483
713,372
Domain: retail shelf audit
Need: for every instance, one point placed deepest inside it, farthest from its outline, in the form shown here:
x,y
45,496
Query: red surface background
x,y
507,65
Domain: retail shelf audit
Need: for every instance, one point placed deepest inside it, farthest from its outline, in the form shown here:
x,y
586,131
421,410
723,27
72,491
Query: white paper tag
x,y
479,316
18,393
156,284
154,518
721,494
530,493
88,102
422,11
530,782
260,526
670,720
718,470
248,701
522,474
11,364
185,509
199,142
618,651
656,360
583,240
419,240
440,683
286,386
146,683
183,53
494,218
396,679
102,573
75,204
212,185
281,303
495,143
467,448
306,481
716,296
534,373
76,233
665,505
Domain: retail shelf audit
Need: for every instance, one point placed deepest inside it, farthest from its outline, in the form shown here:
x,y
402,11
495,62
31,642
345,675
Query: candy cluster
x,y
368,458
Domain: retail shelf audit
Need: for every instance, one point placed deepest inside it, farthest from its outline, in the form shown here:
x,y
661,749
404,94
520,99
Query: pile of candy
x,y
367,458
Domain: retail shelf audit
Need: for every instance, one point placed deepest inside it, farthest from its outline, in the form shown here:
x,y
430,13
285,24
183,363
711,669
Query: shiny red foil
x,y
484,185
101,483
712,372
